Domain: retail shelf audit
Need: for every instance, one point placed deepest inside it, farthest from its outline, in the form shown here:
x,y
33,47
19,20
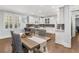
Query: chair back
x,y
27,29
16,43
42,33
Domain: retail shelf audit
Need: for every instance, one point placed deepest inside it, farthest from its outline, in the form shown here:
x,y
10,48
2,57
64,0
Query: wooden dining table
x,y
42,41
33,42
30,44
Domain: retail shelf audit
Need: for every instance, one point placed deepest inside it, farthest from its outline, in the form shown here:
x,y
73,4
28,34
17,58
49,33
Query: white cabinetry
x,y
42,21
33,20
52,20
64,37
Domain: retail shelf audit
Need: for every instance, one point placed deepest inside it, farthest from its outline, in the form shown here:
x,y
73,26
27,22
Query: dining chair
x,y
42,33
16,43
27,31
13,44
33,31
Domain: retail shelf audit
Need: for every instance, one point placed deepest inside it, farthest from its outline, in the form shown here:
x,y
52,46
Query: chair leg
x,y
30,51
25,49
45,49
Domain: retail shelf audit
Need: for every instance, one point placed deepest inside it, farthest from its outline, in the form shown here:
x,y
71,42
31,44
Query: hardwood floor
x,y
5,46
56,48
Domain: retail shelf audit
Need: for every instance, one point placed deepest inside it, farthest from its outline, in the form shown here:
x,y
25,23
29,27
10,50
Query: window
x,y
11,21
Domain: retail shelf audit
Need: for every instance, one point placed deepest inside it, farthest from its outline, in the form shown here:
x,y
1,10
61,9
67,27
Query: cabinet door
x,y
34,20
52,20
42,21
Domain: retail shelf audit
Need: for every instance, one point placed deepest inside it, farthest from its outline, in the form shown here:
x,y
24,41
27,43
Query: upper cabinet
x,y
42,20
33,20
52,20
48,20
60,20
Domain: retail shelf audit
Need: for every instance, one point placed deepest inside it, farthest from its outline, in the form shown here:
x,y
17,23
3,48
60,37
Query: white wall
x,y
1,21
5,33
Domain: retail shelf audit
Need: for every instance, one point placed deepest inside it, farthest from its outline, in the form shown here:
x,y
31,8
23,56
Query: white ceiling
x,y
38,10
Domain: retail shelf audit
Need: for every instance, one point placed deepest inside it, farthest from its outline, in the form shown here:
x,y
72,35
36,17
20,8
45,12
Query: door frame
x,y
73,30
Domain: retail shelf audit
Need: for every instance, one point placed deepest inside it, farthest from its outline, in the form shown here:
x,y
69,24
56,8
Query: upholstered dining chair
x,y
27,31
17,46
42,33
16,43
13,44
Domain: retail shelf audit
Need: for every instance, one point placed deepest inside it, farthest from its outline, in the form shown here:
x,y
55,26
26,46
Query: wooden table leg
x,y
30,51
46,49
